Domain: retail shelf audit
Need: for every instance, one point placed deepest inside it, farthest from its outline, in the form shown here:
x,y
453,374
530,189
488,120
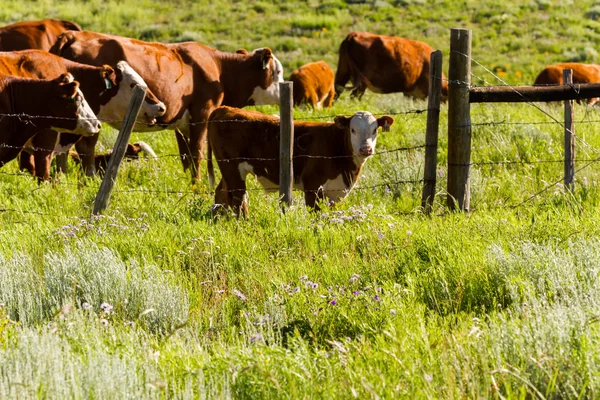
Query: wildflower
x,y
296,289
304,277
393,312
378,290
255,338
354,278
314,285
428,377
104,322
355,293
376,298
333,302
86,306
129,323
239,294
107,308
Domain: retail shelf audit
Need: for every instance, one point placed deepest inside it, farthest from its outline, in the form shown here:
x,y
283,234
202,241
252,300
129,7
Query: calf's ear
x,y
385,122
241,51
109,75
68,90
342,121
266,56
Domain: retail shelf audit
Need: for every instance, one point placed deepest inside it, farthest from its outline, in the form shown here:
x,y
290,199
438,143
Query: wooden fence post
x,y
286,144
569,135
110,176
431,136
459,120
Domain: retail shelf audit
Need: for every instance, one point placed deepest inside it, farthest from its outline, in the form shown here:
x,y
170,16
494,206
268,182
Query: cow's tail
x,y
209,161
210,167
147,150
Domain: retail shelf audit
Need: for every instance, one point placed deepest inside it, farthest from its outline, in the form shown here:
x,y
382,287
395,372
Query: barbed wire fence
x,y
464,126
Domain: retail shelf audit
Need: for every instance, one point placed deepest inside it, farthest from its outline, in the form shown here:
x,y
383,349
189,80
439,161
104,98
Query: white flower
x,y
104,322
86,306
107,308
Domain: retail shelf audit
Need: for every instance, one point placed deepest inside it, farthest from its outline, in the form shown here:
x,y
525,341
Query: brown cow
x,y
582,73
384,64
190,78
39,35
313,85
328,157
106,89
30,106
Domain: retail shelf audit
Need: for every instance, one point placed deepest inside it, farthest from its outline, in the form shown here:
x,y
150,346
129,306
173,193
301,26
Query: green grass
x,y
371,299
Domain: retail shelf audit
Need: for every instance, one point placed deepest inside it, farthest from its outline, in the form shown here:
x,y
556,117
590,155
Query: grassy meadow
x,y
371,299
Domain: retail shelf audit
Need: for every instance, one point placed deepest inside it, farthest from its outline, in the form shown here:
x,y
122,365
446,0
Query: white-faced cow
x,y
31,106
582,73
107,90
190,78
384,64
313,85
328,156
39,35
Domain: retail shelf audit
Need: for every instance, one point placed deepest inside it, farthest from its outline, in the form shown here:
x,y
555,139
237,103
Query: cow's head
x,y
70,110
121,89
362,128
271,73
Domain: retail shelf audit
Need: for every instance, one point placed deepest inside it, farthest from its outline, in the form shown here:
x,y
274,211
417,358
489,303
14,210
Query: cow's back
x,y
39,35
160,65
582,73
32,64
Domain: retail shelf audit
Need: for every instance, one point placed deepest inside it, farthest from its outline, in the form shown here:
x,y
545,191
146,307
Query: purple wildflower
x,y
333,302
239,294
356,292
376,298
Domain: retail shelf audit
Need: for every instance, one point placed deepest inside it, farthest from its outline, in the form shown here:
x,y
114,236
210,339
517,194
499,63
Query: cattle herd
x,y
58,82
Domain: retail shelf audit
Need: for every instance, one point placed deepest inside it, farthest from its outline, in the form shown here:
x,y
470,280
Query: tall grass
x,y
370,299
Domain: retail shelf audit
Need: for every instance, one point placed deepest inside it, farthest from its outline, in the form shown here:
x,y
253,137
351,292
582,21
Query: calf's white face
x,y
363,127
116,108
270,95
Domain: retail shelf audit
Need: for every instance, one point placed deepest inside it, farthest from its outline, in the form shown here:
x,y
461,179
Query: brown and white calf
x,y
132,152
327,161
106,89
313,85
31,106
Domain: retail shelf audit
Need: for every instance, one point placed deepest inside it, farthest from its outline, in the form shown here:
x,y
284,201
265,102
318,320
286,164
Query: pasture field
x,y
372,299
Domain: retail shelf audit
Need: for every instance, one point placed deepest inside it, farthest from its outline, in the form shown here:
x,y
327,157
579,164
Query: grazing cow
x,y
131,153
106,89
313,85
190,78
582,73
384,64
31,106
328,157
39,35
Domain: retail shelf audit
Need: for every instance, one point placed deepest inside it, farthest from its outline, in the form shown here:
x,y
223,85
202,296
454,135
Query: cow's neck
x,y
238,85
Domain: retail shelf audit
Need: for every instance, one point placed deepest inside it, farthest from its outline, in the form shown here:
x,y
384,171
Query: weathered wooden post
x,y
110,176
459,120
569,135
286,144
431,135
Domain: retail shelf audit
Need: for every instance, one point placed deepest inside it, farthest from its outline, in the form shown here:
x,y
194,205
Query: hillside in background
x,y
514,38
